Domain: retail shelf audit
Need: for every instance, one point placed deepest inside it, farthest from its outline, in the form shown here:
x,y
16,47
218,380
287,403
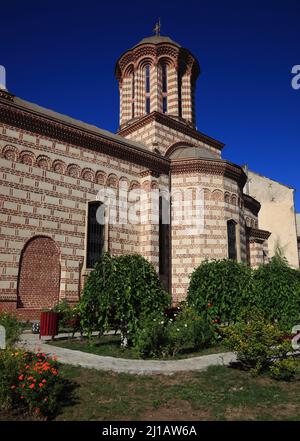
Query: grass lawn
x,y
109,345
220,393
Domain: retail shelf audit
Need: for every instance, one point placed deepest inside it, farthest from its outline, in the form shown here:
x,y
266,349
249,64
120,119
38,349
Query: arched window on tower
x,y
231,239
147,88
165,87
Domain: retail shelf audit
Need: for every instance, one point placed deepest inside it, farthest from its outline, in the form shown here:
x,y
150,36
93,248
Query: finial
x,y
157,28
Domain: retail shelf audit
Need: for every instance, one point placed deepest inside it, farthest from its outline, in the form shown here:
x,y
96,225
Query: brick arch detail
x,y
39,274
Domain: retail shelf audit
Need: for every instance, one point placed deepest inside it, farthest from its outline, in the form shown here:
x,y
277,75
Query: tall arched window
x,y
95,234
165,87
147,88
231,239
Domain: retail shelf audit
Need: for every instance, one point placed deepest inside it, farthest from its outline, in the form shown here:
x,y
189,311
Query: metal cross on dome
x,y
157,28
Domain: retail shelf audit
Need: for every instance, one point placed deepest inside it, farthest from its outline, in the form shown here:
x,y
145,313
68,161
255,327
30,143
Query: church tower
x,y
157,75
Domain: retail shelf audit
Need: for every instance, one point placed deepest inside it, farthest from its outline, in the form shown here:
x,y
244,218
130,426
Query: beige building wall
x,y
277,214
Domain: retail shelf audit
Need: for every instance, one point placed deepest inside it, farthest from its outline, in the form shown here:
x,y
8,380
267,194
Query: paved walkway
x,y
92,361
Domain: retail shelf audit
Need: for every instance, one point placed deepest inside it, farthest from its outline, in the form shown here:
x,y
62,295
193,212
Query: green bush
x,y
276,288
257,343
283,369
151,339
69,316
223,285
119,291
162,336
31,383
13,328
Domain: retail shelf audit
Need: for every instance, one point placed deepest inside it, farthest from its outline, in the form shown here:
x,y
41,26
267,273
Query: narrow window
x,y
147,104
164,87
147,76
164,78
231,238
147,88
165,104
164,241
95,235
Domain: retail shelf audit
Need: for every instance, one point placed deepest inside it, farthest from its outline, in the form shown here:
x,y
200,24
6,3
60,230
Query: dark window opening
x,y
147,104
164,236
164,78
147,75
95,235
165,104
231,237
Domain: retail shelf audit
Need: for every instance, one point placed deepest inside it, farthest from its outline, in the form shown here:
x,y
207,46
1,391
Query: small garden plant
x,y
261,346
30,383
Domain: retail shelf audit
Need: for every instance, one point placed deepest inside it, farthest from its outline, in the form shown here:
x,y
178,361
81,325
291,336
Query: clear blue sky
x,y
61,55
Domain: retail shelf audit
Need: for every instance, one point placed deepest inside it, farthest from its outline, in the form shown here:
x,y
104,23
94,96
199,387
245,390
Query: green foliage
x,y
119,291
257,342
163,336
69,316
283,369
276,288
13,328
30,382
223,284
151,339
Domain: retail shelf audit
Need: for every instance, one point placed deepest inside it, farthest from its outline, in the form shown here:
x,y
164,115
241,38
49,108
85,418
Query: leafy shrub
x,y
69,316
13,328
257,343
119,292
283,369
276,288
189,329
224,284
30,382
160,335
151,339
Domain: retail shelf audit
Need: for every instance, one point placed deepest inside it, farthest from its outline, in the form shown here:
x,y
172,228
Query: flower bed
x,y
30,382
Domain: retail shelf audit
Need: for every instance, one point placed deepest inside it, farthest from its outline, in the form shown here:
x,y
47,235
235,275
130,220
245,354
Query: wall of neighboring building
x,y
277,214
298,233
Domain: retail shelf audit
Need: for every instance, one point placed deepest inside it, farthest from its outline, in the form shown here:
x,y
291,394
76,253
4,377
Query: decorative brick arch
x,y
39,274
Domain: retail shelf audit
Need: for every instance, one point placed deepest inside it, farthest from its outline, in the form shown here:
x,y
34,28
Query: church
x,y
186,203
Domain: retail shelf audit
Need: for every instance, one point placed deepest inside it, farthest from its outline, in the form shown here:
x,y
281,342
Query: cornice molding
x,y
251,204
255,234
172,124
209,166
29,120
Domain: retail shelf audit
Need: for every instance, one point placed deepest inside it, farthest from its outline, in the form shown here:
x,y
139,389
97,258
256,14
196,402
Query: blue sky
x,y
61,55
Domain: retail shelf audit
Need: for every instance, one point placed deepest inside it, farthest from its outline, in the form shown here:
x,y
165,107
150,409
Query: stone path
x,y
142,367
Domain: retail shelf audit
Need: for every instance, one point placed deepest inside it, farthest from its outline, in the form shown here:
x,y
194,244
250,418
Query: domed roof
x,y
157,39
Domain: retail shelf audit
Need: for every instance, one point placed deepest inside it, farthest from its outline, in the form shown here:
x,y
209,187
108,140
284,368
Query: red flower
x,y
31,386
21,377
41,384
